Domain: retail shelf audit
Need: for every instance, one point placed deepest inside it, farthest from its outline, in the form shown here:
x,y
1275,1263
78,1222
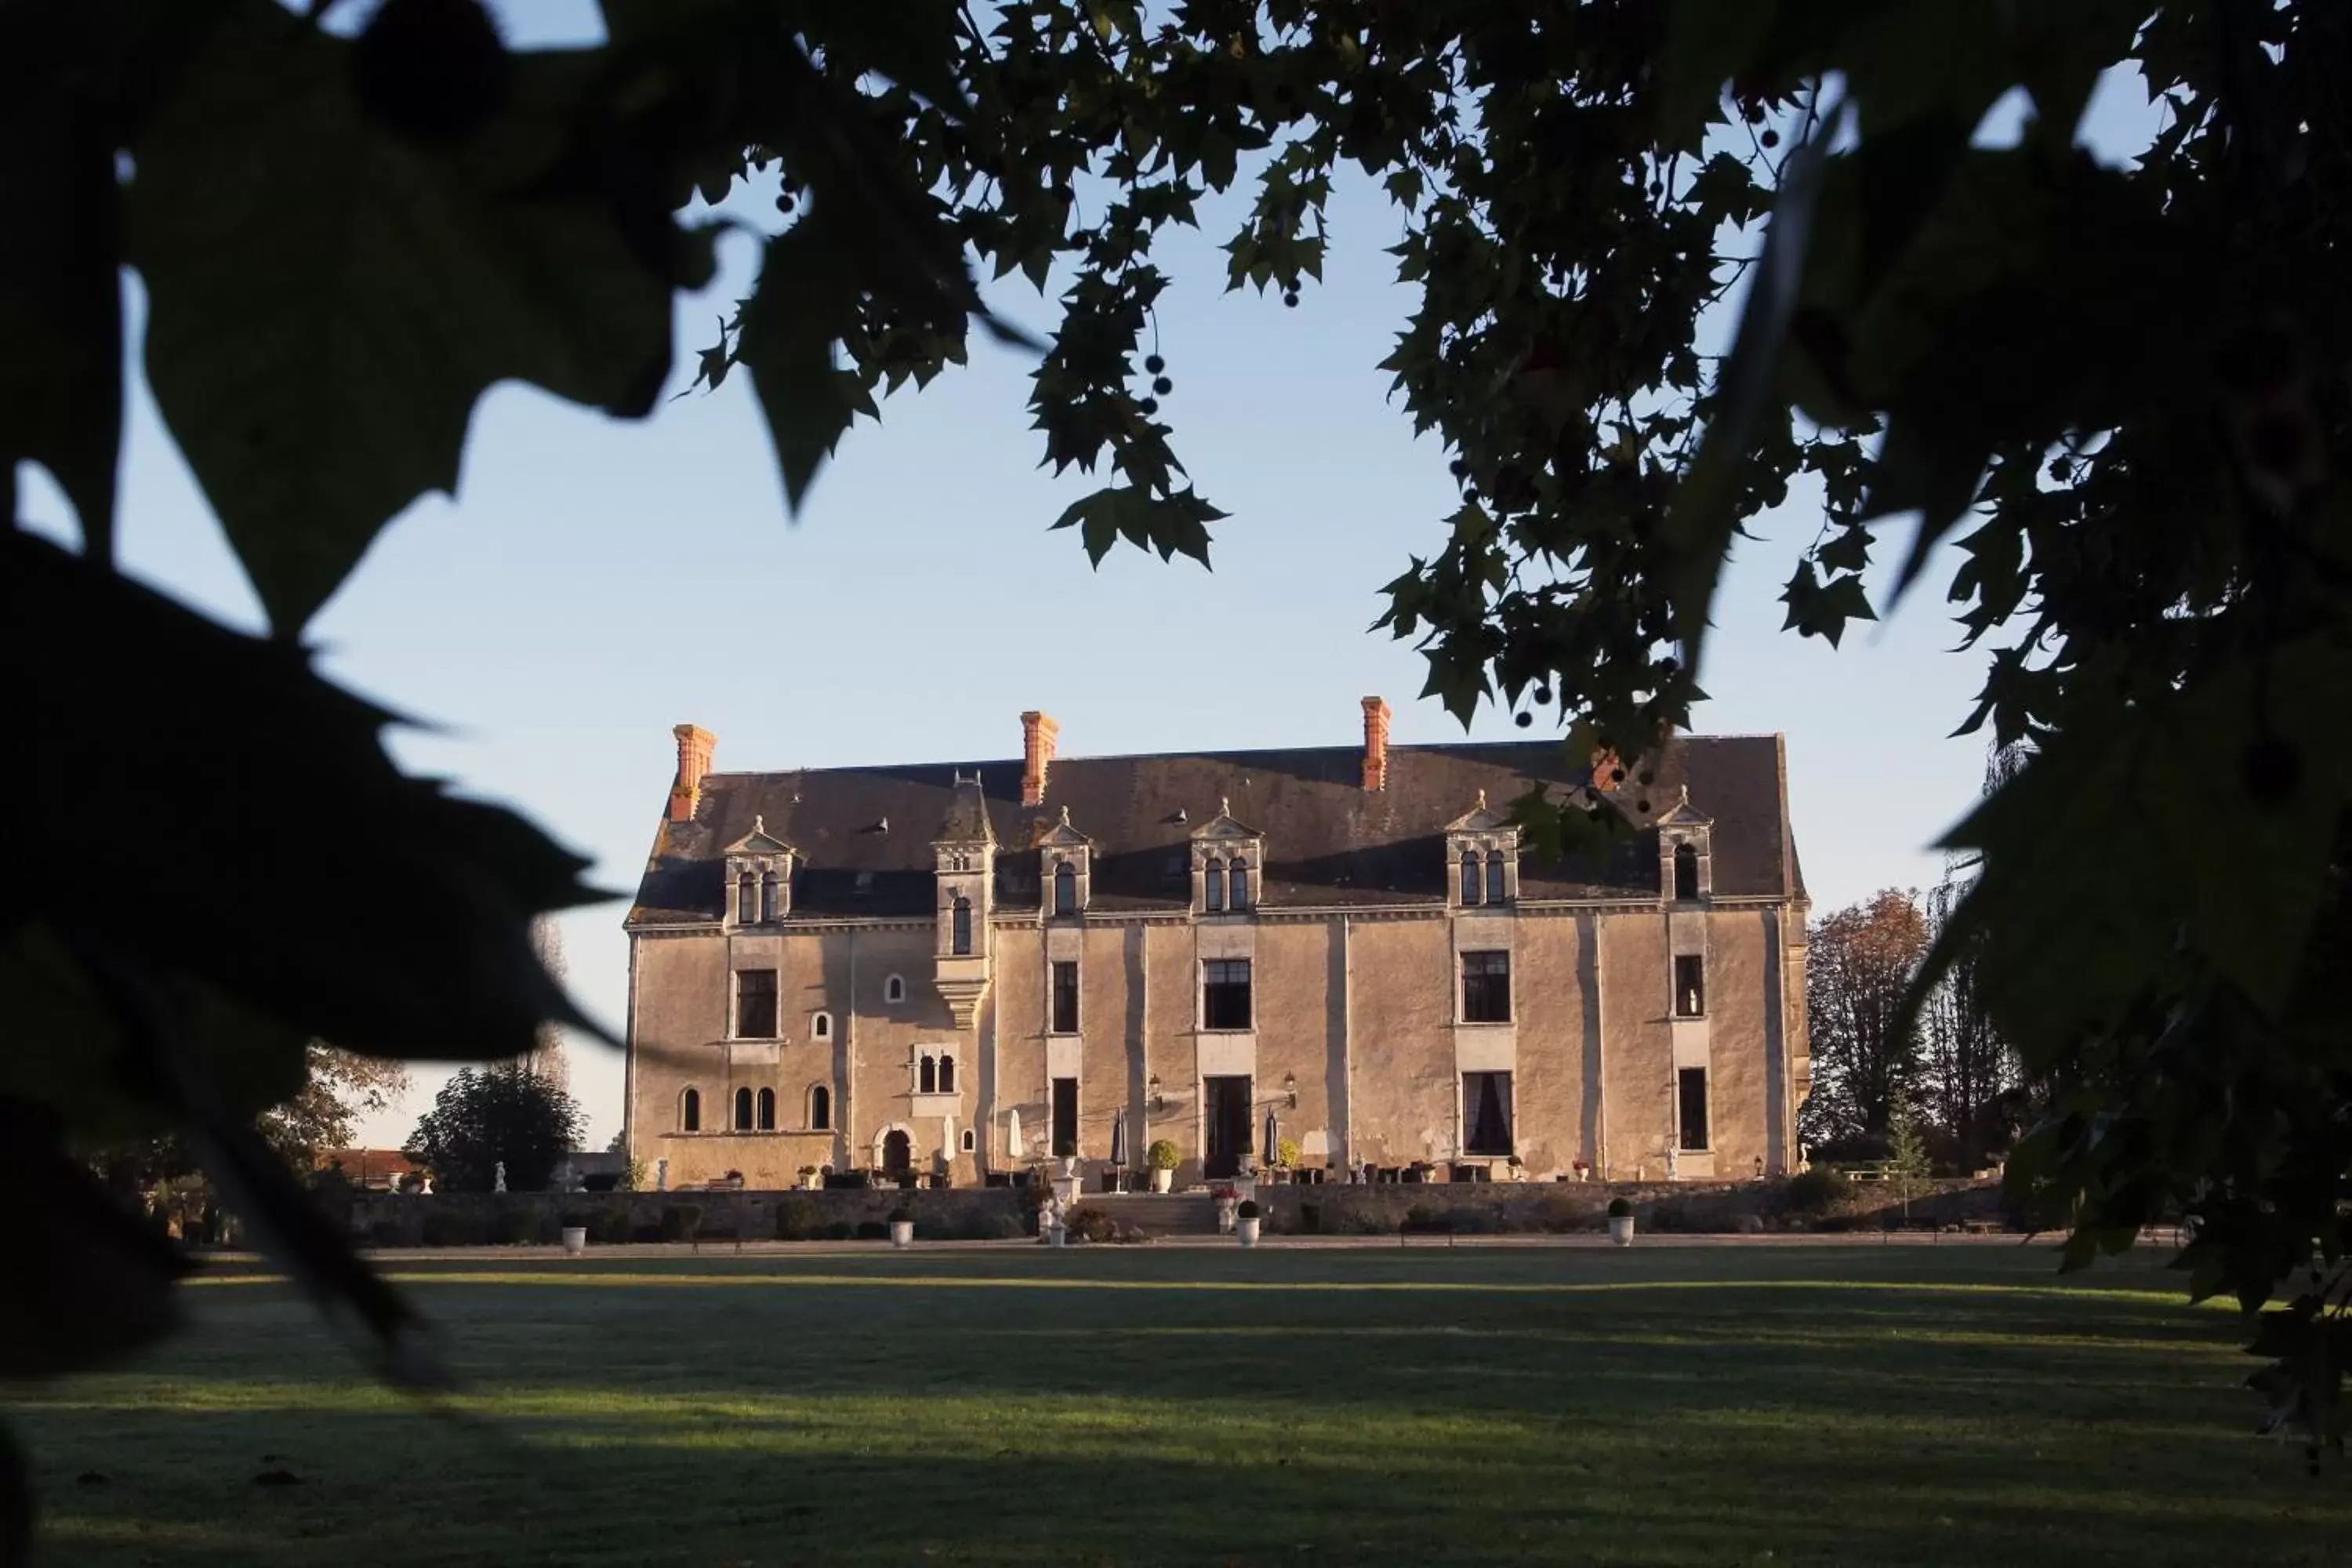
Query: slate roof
x,y
1329,841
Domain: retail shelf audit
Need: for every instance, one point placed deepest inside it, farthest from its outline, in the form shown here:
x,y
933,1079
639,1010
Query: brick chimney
x,y
695,746
1608,772
1039,733
1376,743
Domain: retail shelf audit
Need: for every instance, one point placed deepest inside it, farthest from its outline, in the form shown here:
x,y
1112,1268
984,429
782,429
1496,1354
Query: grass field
x,y
1694,1405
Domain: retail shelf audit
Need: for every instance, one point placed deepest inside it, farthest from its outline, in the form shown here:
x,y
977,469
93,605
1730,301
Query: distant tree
x,y
338,1088
1908,1165
1858,970
484,1115
1969,1070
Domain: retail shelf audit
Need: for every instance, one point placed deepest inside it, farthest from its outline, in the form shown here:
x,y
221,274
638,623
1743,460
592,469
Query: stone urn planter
x,y
1162,1180
902,1228
1245,1223
1163,1157
1621,1221
575,1240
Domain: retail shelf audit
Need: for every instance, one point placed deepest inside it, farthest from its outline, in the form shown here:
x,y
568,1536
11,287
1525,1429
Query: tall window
x,y
820,1109
1469,878
1213,887
1241,885
963,946
1065,1116
770,886
755,1004
1486,1114
690,1111
1485,987
1690,986
1692,1083
1496,893
747,900
894,989
767,1110
742,1110
1065,996
927,1081
946,1074
1685,873
1225,993
1066,888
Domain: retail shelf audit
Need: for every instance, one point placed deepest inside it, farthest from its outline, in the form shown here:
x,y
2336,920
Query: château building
x,y
966,967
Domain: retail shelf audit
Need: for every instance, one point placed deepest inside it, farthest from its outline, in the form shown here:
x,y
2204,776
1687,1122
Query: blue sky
x,y
595,583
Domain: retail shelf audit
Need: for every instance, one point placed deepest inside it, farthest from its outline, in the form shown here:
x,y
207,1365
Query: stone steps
x,y
1155,1214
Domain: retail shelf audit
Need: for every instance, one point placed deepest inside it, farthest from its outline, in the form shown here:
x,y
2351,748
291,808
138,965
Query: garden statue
x,y
661,1176
499,1177
1673,1162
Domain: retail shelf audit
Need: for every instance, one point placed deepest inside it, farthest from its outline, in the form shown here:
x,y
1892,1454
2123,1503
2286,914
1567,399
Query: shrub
x,y
1470,1220
451,1228
1670,1215
602,1182
1562,1215
1364,1222
610,1226
1248,1210
1420,1216
873,1230
681,1222
1620,1209
1090,1223
1818,1191
519,1227
1285,1151
795,1219
1163,1154
989,1225
840,1230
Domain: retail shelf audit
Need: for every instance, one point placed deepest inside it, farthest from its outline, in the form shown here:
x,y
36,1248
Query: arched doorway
x,y
897,1153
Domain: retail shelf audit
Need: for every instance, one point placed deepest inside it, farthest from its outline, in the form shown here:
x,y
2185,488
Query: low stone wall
x,y
1725,1207
473,1219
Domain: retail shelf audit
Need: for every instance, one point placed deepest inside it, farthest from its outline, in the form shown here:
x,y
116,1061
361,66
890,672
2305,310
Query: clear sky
x,y
596,583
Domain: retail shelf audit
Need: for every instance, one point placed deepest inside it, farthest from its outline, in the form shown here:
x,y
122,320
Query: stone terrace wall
x,y
447,1219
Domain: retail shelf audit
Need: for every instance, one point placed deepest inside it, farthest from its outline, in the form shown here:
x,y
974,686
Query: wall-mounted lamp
x,y
1291,1087
1159,1102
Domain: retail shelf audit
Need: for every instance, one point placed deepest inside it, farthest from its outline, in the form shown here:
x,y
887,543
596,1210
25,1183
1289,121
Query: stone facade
x,y
1354,942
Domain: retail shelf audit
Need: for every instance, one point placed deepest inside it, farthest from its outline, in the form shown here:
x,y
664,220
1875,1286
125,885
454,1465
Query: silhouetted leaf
x,y
1173,524
329,300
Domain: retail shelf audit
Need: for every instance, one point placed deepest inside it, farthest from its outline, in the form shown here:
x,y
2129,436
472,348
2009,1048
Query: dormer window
x,y
1685,846
1484,848
760,868
1066,858
1225,853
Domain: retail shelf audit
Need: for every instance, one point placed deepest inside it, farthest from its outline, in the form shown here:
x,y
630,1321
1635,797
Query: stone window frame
x,y
1483,849
1675,985
1462,988
894,989
820,1025
1706,1106
968,1140
689,1108
758,866
941,1061
744,1109
1250,997
763,1110
814,1122
1226,859
1053,967
735,1002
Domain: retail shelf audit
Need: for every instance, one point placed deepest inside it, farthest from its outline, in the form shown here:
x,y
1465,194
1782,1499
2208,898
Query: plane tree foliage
x,y
2117,391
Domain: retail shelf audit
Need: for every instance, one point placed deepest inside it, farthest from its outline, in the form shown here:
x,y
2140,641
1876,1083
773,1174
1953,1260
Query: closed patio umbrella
x,y
1012,1149
1119,1142
1273,1154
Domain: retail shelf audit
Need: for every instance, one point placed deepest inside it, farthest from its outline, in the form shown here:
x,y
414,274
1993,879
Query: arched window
x,y
767,1110
1066,888
927,1080
1213,887
947,1075
1494,889
820,1109
1686,872
690,1111
769,888
1239,876
1469,877
747,896
894,989
821,1027
963,935
742,1110
971,1141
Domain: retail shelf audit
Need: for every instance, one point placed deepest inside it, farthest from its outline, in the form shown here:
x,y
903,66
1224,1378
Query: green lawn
x,y
1701,1405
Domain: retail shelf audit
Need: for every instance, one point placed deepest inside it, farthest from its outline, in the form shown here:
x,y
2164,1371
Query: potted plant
x,y
1067,1152
902,1227
1583,1170
1287,1155
808,1178
1245,1222
575,1234
1163,1157
1621,1221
